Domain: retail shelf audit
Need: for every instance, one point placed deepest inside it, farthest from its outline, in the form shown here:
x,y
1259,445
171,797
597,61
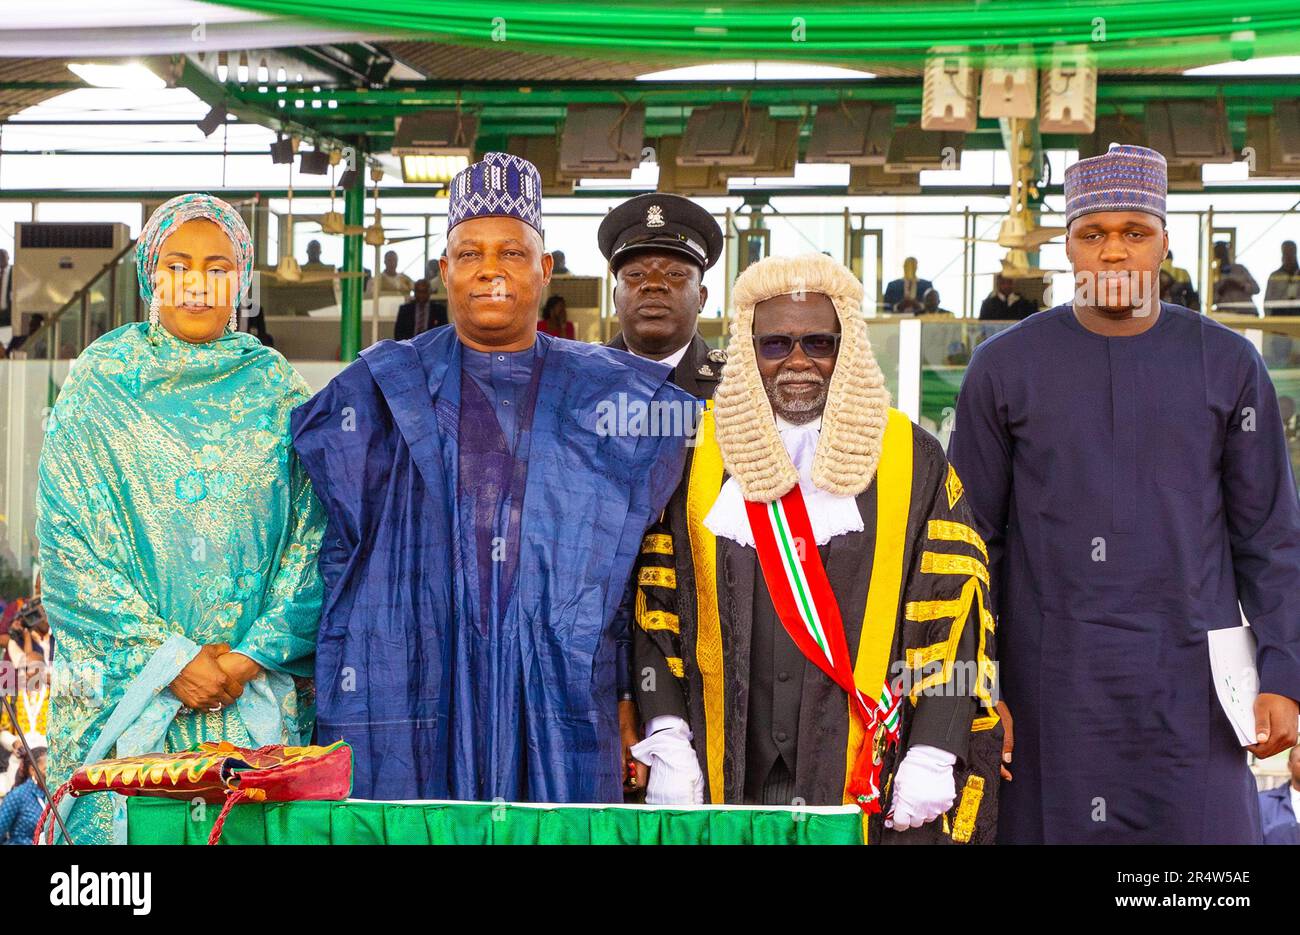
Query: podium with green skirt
x,y
355,821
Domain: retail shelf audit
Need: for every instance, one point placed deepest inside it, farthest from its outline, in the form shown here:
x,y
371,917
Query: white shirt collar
x,y
782,424
830,514
673,359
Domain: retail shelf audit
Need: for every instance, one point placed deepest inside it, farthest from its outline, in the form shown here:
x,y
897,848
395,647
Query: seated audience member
x,y
392,282
420,314
1177,272
1005,304
1177,292
930,304
1234,287
1279,809
904,296
555,318
313,258
1282,294
21,808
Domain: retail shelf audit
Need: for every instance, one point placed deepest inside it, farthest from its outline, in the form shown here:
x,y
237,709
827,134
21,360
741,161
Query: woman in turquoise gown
x,y
178,531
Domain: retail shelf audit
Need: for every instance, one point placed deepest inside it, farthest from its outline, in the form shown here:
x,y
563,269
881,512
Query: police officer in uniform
x,y
658,247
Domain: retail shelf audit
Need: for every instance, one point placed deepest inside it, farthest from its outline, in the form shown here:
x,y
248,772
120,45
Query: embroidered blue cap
x,y
1125,178
500,185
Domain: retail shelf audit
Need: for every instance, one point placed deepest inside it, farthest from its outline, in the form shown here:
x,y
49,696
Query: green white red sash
x,y
806,606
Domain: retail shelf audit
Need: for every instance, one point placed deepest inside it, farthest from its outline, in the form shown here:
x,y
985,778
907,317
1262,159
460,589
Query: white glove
x,y
675,777
923,787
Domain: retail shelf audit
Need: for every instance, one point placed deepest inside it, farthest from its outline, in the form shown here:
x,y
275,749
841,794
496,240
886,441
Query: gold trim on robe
x,y
893,501
657,543
701,492
946,531
652,576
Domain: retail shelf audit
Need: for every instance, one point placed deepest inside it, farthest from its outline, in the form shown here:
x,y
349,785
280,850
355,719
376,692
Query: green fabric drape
x,y
162,821
1135,31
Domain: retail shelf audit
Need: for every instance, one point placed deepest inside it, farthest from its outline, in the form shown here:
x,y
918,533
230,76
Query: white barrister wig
x,y
853,422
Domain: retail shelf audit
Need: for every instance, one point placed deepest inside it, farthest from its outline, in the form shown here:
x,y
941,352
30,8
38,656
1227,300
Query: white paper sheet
x,y
1236,681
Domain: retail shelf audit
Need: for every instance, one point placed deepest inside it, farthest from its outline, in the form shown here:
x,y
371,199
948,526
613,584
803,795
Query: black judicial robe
x,y
916,573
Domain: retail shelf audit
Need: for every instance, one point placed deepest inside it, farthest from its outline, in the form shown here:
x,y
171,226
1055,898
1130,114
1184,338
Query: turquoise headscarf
x,y
175,212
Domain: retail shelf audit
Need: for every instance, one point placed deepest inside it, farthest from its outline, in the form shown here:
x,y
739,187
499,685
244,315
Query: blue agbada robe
x,y
433,706
1131,491
498,393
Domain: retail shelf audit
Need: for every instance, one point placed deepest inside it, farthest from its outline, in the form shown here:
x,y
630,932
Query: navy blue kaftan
x,y
1132,491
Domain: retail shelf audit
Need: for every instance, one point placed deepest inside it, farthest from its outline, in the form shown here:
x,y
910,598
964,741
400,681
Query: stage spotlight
x,y
316,162
282,150
215,118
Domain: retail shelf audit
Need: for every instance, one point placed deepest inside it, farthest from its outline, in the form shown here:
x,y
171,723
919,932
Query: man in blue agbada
x,y
483,522
1126,462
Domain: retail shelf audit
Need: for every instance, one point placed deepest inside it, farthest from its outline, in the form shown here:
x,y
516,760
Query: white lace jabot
x,y
831,514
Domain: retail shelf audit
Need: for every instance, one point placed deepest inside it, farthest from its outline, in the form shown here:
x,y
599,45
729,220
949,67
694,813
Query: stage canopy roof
x,y
339,72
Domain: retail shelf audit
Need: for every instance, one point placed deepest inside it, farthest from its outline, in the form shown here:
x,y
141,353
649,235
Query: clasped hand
x,y
215,677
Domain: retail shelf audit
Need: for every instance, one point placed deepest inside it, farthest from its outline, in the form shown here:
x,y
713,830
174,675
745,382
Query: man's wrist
x,y
664,722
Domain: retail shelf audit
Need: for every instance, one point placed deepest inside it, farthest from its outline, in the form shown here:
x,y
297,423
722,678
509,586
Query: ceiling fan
x,y
1019,232
287,270
332,222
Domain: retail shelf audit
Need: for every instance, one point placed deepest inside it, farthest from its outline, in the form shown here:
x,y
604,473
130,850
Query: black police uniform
x,y
668,223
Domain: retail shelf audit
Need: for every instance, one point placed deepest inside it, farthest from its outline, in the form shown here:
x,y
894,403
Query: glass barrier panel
x,y
65,335
946,347
1281,352
127,290
883,334
30,387
99,307
10,570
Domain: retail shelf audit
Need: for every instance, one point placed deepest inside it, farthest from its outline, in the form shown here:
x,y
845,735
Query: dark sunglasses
x,y
781,346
